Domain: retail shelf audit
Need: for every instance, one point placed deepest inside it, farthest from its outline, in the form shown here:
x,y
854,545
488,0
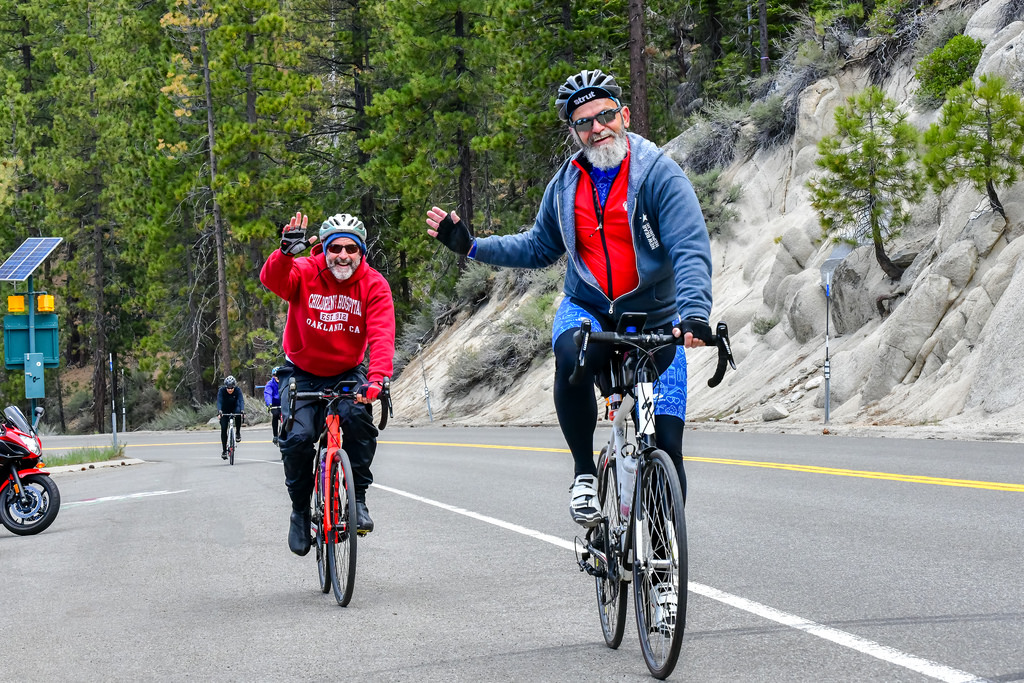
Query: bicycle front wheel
x,y
341,540
317,516
611,590
659,563
231,445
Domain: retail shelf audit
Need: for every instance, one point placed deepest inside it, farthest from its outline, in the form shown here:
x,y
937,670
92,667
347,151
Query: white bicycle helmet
x,y
343,224
582,87
230,381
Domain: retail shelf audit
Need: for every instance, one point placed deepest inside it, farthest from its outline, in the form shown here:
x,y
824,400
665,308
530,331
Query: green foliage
x,y
715,203
475,283
762,326
182,417
979,138
869,173
82,456
885,17
711,140
505,355
944,28
945,68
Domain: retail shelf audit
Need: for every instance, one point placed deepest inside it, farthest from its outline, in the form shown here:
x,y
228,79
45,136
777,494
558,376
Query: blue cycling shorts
x,y
670,389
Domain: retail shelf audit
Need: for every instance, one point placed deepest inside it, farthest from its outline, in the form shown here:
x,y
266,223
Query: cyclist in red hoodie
x,y
337,307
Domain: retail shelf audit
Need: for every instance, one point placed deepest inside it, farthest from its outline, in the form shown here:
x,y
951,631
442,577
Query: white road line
x,y
127,496
863,645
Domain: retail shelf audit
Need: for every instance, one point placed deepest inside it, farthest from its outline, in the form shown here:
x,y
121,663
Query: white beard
x,y
342,272
607,157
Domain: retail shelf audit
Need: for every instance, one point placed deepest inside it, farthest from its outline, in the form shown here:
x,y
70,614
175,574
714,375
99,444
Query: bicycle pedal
x,y
362,532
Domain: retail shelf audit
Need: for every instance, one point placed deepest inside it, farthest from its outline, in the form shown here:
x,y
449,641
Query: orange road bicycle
x,y
641,537
333,504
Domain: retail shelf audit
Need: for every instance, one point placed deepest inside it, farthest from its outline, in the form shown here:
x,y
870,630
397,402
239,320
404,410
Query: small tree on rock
x,y
979,138
870,174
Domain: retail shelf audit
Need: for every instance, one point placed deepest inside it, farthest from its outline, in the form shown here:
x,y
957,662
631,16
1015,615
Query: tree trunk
x,y
218,225
639,120
465,201
762,22
99,353
993,198
888,267
567,25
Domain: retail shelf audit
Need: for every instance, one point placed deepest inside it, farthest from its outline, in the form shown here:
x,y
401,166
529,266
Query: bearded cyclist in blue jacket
x,y
630,222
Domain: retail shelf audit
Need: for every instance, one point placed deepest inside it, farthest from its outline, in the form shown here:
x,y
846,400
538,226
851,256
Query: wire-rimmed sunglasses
x,y
347,248
604,118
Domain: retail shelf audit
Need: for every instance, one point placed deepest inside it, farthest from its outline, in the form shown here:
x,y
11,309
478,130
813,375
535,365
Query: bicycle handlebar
x,y
648,341
345,389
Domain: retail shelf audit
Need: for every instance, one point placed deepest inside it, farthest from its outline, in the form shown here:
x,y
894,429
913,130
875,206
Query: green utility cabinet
x,y
16,340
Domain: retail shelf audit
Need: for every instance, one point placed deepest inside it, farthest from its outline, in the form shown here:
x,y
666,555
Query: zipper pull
x,y
611,307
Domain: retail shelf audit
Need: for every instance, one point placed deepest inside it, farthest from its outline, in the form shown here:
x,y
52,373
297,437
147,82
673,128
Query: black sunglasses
x,y
604,118
348,248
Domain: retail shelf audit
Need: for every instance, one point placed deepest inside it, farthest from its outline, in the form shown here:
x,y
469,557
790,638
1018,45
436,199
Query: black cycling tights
x,y
576,407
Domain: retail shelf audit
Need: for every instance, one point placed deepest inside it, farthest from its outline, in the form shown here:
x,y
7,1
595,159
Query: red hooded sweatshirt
x,y
330,323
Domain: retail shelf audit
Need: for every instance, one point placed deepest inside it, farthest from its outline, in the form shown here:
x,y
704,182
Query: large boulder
x,y
857,283
1004,55
987,21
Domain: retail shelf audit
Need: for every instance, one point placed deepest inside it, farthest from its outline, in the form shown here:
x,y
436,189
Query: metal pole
x,y
828,369
426,389
124,418
113,400
31,332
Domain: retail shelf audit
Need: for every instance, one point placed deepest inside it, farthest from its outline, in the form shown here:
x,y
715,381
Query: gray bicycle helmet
x,y
583,87
277,369
230,381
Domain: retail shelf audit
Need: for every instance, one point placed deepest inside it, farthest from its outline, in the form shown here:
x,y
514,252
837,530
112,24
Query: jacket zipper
x,y
599,212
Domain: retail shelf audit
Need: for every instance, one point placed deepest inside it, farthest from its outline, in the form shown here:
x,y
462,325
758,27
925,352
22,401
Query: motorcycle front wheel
x,y
32,512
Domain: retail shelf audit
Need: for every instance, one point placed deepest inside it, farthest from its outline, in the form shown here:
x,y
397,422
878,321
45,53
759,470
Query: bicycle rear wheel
x,y
231,444
341,541
660,563
317,516
611,590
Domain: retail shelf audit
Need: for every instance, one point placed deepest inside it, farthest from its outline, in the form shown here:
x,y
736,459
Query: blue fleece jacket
x,y
673,253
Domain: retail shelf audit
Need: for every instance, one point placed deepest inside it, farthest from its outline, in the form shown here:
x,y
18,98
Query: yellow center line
x,y
810,469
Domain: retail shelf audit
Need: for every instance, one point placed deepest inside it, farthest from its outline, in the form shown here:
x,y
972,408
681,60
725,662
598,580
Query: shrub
x,y
475,283
946,68
182,418
711,141
944,28
762,326
714,202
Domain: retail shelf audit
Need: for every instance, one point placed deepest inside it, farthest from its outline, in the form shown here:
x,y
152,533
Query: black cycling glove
x,y
293,240
698,327
454,235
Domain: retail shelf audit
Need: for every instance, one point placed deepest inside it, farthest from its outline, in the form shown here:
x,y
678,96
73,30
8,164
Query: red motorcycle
x,y
29,500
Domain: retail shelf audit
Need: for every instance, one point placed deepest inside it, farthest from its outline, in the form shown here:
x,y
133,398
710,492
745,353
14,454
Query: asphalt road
x,y
811,559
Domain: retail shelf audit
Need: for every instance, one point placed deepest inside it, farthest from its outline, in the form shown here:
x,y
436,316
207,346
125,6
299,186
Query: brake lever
x,y
582,339
724,354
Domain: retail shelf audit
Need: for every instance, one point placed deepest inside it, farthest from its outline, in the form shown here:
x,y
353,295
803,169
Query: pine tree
x,y
979,138
870,174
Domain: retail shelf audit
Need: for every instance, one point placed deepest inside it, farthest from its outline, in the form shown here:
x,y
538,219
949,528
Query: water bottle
x,y
626,465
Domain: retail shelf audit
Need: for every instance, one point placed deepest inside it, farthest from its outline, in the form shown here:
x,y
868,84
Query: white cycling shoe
x,y
583,505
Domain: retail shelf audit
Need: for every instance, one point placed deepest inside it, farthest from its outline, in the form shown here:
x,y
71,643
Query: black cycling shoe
x,y
224,455
298,533
363,521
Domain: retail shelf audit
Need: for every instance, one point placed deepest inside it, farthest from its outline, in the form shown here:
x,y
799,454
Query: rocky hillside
x,y
942,346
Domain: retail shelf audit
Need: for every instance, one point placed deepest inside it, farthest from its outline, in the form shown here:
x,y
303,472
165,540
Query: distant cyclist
x,y
629,220
338,306
229,400
272,397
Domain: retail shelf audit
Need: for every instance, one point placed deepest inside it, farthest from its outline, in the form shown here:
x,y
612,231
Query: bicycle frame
x,y
642,417
332,434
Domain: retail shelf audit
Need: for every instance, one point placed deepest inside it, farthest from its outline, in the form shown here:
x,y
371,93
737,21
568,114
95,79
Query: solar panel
x,y
27,258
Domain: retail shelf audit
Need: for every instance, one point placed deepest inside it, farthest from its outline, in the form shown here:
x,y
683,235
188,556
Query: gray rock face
x,y
856,285
1000,374
987,21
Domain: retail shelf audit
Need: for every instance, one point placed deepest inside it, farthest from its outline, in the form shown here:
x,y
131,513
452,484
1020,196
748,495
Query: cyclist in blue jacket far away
x,y
628,218
272,397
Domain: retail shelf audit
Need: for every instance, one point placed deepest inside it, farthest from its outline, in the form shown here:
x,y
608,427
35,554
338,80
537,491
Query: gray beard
x,y
607,157
342,273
